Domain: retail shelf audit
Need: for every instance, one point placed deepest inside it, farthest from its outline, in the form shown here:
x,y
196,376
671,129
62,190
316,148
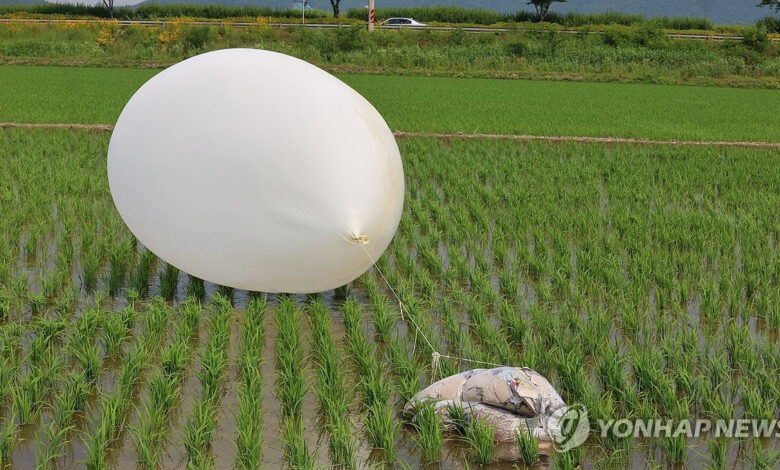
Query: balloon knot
x,y
362,239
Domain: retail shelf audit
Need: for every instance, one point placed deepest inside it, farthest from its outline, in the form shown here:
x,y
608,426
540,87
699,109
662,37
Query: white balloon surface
x,y
256,170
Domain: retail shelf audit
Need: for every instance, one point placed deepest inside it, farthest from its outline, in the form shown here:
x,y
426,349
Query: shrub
x,y
770,23
457,37
756,39
195,37
349,39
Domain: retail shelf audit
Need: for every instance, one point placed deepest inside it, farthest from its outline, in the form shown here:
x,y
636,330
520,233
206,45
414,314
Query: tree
x,y
770,4
110,5
335,5
543,6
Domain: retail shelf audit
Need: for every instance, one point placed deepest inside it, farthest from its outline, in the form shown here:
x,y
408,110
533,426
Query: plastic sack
x,y
256,170
509,398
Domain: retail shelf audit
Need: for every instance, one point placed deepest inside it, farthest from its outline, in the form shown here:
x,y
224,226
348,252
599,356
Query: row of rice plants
x,y
382,427
165,388
290,384
199,429
77,385
332,392
107,426
249,416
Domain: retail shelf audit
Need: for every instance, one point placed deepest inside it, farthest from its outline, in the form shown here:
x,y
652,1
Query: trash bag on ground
x,y
509,398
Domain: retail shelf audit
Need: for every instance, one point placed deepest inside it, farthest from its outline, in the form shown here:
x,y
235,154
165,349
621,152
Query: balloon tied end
x,y
362,239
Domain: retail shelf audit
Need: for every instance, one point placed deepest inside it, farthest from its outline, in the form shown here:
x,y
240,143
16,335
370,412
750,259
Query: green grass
x,y
429,104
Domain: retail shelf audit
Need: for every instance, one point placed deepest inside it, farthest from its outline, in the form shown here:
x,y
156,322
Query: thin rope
x,y
436,356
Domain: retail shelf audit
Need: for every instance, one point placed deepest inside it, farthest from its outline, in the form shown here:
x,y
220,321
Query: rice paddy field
x,y
431,104
640,280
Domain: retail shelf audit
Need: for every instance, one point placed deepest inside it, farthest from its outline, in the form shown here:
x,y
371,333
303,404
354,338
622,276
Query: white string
x,y
436,356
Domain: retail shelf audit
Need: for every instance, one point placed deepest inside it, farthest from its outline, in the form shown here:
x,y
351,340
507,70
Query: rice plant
x,y
480,435
114,331
51,442
383,429
195,288
527,445
199,428
8,438
718,449
169,282
249,414
430,432
296,451
291,387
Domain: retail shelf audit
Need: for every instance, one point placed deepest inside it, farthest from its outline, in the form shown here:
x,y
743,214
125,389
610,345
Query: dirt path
x,y
461,135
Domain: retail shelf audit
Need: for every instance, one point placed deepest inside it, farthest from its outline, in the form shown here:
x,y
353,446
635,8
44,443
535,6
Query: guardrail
x,y
244,24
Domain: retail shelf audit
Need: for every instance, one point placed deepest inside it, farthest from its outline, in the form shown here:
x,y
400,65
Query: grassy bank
x,y
95,95
639,54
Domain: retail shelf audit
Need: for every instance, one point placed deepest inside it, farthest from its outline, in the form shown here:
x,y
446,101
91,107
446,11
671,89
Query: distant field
x,y
97,95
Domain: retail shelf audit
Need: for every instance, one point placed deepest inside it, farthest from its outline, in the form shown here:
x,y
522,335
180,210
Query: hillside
x,y
719,11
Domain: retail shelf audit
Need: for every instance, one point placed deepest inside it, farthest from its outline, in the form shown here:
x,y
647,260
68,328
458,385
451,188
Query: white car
x,y
403,22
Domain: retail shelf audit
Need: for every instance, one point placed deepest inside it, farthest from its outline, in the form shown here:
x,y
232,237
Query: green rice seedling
x,y
5,306
169,282
195,288
528,446
190,313
114,332
373,387
134,363
175,358
343,444
227,293
676,448
147,437
143,272
119,258
129,316
569,460
51,441
340,294
430,432
37,303
295,450
198,432
72,399
763,459
383,429
213,360
248,420
24,399
291,386
719,449
249,415
88,358
163,393
8,438
457,415
480,436
90,265
384,319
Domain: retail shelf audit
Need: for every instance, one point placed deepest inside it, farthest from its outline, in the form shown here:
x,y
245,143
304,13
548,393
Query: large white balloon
x,y
255,170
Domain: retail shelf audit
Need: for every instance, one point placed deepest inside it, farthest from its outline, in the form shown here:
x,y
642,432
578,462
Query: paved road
x,y
700,37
